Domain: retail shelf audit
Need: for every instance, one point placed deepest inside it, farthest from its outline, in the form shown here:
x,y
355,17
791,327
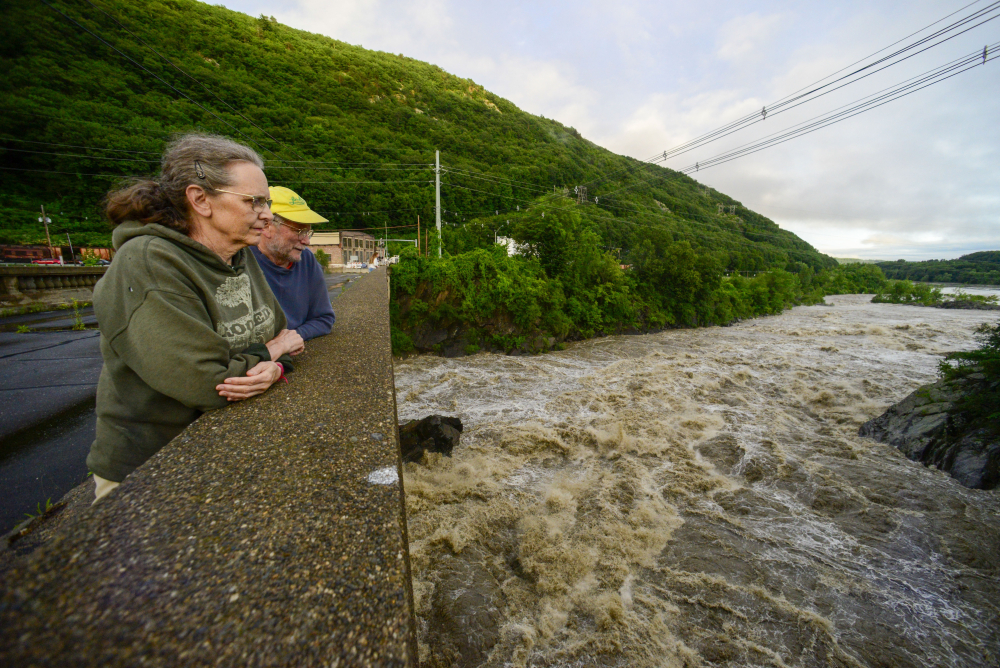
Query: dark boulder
x,y
926,427
435,433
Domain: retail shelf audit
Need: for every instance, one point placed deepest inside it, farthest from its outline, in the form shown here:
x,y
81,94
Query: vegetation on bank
x,y
906,292
566,283
980,408
982,268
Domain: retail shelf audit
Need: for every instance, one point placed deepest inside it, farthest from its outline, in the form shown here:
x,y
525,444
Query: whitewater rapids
x,y
700,498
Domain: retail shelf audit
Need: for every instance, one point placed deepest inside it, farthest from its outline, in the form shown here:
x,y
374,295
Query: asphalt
x,y
271,532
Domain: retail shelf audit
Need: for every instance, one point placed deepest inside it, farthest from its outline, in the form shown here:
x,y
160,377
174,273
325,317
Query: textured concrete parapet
x,y
269,533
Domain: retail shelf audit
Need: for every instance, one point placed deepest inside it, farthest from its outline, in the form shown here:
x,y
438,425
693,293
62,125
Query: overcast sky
x,y
915,179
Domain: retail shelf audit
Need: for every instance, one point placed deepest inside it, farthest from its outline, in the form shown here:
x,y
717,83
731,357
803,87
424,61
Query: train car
x,y
25,254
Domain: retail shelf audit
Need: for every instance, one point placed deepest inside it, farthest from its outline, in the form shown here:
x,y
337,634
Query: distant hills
x,y
981,268
86,100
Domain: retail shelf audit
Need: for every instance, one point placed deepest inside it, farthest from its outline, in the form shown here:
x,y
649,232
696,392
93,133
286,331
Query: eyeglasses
x,y
303,232
258,201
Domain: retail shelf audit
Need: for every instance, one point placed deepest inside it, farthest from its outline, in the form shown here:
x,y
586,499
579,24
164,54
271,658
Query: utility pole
x,y
72,256
418,236
45,219
437,196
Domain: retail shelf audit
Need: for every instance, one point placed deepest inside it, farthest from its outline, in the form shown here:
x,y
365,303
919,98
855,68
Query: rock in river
x,y
924,427
435,433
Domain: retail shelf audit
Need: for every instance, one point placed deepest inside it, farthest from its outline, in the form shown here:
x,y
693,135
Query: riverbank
x,y
701,496
486,300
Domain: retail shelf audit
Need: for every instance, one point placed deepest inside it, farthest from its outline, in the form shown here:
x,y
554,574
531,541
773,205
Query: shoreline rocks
x,y
926,427
968,304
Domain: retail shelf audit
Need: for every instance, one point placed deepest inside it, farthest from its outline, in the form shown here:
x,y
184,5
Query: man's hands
x,y
287,341
257,380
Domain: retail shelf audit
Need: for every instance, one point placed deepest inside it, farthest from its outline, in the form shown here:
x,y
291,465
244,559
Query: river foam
x,y
700,497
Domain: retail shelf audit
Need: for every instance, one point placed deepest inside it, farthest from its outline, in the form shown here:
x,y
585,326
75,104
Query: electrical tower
x,y
437,196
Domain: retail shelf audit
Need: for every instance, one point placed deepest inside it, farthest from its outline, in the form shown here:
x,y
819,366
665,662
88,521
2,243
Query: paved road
x,y
47,386
48,380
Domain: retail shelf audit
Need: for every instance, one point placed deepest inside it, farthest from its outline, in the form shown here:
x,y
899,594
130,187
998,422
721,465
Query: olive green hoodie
x,y
175,322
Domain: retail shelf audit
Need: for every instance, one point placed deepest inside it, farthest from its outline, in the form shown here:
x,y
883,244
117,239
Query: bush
x,y
983,363
905,292
324,260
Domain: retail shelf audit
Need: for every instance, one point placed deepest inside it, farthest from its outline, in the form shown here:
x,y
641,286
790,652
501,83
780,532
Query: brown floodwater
x,y
700,498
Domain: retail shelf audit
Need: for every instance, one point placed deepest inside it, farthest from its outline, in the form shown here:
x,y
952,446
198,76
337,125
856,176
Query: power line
x,y
175,66
77,155
89,148
156,76
171,135
52,171
480,176
867,103
355,182
833,119
270,164
213,94
772,108
756,117
358,213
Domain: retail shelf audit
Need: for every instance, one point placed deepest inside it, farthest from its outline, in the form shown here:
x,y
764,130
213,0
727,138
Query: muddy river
x,y
700,498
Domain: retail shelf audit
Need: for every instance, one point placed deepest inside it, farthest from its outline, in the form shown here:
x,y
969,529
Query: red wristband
x,y
281,367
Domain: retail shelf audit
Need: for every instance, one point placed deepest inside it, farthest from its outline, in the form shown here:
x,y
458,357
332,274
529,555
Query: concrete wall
x,y
271,532
14,281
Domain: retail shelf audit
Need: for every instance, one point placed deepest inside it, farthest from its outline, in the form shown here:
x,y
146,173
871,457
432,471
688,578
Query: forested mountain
x,y
93,90
982,268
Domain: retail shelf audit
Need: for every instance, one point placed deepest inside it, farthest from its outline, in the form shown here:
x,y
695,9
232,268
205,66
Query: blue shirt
x,y
302,293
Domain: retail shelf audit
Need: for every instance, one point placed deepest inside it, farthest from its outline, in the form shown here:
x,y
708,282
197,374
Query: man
x,y
293,273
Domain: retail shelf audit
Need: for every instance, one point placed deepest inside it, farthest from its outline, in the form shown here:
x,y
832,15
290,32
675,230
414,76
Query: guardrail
x,y
29,278
270,532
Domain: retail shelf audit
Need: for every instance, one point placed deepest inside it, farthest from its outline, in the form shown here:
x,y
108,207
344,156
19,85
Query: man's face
x,y
287,239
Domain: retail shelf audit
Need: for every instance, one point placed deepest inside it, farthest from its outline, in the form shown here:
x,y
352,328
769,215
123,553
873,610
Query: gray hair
x,y
192,159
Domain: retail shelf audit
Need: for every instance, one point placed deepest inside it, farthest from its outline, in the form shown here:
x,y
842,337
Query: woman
x,y
187,320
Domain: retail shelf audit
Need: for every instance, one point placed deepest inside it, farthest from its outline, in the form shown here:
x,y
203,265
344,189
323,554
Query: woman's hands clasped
x,y
259,377
263,374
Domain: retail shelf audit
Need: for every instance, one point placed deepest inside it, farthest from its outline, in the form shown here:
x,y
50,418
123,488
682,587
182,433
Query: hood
x,y
131,230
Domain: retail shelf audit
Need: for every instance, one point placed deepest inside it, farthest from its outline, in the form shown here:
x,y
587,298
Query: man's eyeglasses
x,y
303,232
258,202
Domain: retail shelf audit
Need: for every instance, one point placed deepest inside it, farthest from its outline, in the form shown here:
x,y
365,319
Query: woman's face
x,y
233,215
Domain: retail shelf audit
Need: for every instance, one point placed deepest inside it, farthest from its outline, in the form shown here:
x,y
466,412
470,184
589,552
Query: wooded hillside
x,y
982,268
93,90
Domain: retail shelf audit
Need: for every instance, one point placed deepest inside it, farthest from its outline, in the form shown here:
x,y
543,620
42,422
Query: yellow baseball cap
x,y
290,206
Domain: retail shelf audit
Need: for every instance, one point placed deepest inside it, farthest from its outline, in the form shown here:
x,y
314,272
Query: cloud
x,y
742,36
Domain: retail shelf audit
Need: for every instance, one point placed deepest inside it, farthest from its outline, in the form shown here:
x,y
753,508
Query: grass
x,y
41,308
41,511
77,318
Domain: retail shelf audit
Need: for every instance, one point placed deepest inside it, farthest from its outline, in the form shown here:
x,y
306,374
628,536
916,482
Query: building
x,y
345,246
513,248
